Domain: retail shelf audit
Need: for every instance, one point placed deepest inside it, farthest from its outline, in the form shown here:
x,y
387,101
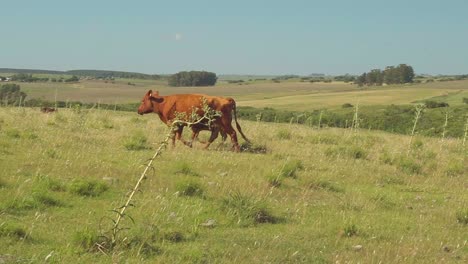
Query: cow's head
x,y
149,103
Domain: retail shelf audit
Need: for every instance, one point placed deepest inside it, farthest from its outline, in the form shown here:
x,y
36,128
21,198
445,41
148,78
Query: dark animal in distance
x,y
48,110
168,106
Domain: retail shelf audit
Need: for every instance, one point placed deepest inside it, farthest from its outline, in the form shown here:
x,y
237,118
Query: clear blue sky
x,y
235,37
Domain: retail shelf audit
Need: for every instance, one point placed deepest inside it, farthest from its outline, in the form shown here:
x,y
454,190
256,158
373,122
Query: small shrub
x,y
409,165
174,236
137,141
383,201
350,230
184,168
387,158
434,104
30,135
417,144
13,133
253,148
283,134
354,152
13,231
60,118
326,185
325,139
143,240
189,188
290,168
137,120
17,205
275,180
3,184
106,123
51,153
462,216
90,240
347,105
455,168
52,185
88,188
357,152
148,249
46,199
247,211
392,180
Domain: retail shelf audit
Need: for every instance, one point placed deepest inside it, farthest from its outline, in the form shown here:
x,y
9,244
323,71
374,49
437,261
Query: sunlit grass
x,y
312,196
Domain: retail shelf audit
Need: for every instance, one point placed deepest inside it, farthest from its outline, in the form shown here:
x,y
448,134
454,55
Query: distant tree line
x,y
11,94
113,74
193,78
391,75
345,78
100,74
24,77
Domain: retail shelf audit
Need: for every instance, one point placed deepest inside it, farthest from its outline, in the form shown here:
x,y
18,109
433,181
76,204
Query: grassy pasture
x,y
315,196
288,95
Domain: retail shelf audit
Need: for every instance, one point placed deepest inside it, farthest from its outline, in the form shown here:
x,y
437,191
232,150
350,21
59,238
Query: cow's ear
x,y
157,99
149,93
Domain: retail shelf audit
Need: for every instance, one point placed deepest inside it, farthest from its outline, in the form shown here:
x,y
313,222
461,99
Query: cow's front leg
x,y
178,136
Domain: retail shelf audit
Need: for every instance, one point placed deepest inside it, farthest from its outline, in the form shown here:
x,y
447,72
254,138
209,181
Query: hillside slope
x,y
315,196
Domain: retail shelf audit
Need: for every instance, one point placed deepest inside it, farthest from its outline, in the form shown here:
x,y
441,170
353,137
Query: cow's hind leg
x,y
232,133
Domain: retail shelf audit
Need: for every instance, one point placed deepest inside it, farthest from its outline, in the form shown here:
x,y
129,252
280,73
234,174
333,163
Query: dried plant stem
x,y
445,124
121,213
320,119
419,109
356,118
466,131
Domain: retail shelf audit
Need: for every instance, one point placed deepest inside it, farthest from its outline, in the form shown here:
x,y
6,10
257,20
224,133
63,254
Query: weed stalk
x,y
419,108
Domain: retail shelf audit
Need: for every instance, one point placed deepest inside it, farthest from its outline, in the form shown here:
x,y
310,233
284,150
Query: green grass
x,y
88,188
309,198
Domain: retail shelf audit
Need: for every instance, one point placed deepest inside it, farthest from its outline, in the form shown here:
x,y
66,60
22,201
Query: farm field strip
x,y
287,96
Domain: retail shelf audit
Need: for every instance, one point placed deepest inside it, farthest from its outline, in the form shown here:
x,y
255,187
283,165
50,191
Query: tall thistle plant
x,y
419,109
444,128
356,121
466,131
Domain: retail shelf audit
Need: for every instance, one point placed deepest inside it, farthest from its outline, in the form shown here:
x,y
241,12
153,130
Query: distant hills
x,y
30,71
87,73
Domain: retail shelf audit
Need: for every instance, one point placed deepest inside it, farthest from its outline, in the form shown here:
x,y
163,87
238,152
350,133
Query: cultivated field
x,y
287,95
315,196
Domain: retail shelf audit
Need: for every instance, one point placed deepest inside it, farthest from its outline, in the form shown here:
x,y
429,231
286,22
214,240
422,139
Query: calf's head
x,y
149,103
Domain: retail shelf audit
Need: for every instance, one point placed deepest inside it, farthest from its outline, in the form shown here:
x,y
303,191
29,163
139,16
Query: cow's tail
x,y
237,123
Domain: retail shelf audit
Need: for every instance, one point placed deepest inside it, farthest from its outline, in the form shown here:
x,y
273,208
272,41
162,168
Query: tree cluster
x,y
391,75
11,94
434,104
193,78
345,78
72,79
102,74
24,77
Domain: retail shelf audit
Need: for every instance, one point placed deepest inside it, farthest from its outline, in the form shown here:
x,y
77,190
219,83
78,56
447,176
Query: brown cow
x,y
167,106
48,110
